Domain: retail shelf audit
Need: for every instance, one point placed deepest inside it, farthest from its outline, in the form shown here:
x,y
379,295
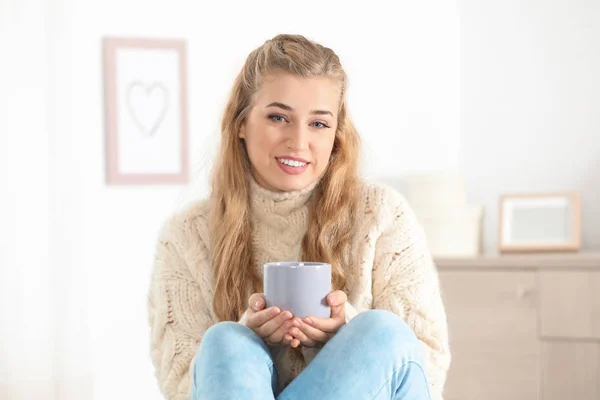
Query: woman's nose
x,y
298,139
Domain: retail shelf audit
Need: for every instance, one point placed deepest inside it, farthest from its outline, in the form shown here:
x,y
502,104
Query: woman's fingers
x,y
288,338
256,302
337,300
280,336
269,323
307,334
328,325
256,319
312,331
302,337
274,324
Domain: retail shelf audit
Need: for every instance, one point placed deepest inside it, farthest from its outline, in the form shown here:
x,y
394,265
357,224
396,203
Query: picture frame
x,y
539,222
146,115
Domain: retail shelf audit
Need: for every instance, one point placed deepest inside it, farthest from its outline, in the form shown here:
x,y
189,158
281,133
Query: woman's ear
x,y
242,132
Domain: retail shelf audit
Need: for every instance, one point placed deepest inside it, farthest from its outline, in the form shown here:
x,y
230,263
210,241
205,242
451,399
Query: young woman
x,y
286,187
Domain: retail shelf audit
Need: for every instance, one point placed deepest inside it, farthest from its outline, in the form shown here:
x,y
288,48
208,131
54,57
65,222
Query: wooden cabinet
x,y
523,327
570,304
494,338
570,370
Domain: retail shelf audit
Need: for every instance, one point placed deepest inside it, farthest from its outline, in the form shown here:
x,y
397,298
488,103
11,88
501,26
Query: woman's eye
x,y
323,125
277,118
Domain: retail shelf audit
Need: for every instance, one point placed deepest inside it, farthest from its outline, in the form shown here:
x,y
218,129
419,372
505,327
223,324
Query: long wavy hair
x,y
332,215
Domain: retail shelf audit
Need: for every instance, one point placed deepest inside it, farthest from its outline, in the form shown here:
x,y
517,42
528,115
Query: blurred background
x,y
457,102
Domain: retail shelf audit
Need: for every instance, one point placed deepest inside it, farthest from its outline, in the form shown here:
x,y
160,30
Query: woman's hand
x,y
269,324
315,332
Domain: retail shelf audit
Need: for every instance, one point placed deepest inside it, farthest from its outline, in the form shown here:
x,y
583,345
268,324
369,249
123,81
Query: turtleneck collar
x,y
265,202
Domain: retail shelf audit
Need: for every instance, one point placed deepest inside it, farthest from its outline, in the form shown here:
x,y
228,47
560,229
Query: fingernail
x,y
274,311
287,325
297,323
332,299
308,321
258,305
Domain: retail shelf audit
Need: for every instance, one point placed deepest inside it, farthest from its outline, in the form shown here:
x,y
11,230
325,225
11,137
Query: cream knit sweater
x,y
393,271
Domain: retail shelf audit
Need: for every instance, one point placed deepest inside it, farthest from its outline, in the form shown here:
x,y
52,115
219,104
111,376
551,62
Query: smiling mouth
x,y
291,163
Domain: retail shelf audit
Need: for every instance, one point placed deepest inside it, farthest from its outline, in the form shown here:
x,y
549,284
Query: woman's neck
x,y
267,202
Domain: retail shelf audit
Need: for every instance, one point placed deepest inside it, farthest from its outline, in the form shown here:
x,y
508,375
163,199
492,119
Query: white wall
x,y
530,103
42,274
527,91
24,195
404,68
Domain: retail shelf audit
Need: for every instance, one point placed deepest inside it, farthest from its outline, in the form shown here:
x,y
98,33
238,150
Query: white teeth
x,y
291,163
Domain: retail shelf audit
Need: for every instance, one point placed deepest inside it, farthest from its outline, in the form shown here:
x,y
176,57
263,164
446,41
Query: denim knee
x,y
227,336
390,330
228,347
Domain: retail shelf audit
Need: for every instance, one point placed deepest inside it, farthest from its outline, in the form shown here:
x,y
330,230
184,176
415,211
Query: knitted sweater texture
x,y
393,271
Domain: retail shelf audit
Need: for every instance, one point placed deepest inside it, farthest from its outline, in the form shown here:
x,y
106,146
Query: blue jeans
x,y
375,356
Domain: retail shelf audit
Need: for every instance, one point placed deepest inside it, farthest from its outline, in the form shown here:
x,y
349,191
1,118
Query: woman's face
x,y
290,129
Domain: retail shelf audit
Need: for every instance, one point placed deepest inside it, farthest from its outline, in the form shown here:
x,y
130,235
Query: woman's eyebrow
x,y
288,108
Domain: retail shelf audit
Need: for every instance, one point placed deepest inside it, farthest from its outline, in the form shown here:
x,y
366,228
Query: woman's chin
x,y
291,184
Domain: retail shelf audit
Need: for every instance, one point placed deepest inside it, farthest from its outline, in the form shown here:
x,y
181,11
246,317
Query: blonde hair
x,y
329,234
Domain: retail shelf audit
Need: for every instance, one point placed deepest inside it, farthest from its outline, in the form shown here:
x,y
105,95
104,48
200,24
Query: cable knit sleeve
x,y
178,315
244,318
350,311
405,281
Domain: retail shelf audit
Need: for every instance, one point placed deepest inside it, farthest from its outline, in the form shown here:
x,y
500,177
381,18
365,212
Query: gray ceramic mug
x,y
298,287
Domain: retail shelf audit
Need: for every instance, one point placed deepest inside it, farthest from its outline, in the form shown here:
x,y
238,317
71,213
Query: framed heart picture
x,y
145,95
